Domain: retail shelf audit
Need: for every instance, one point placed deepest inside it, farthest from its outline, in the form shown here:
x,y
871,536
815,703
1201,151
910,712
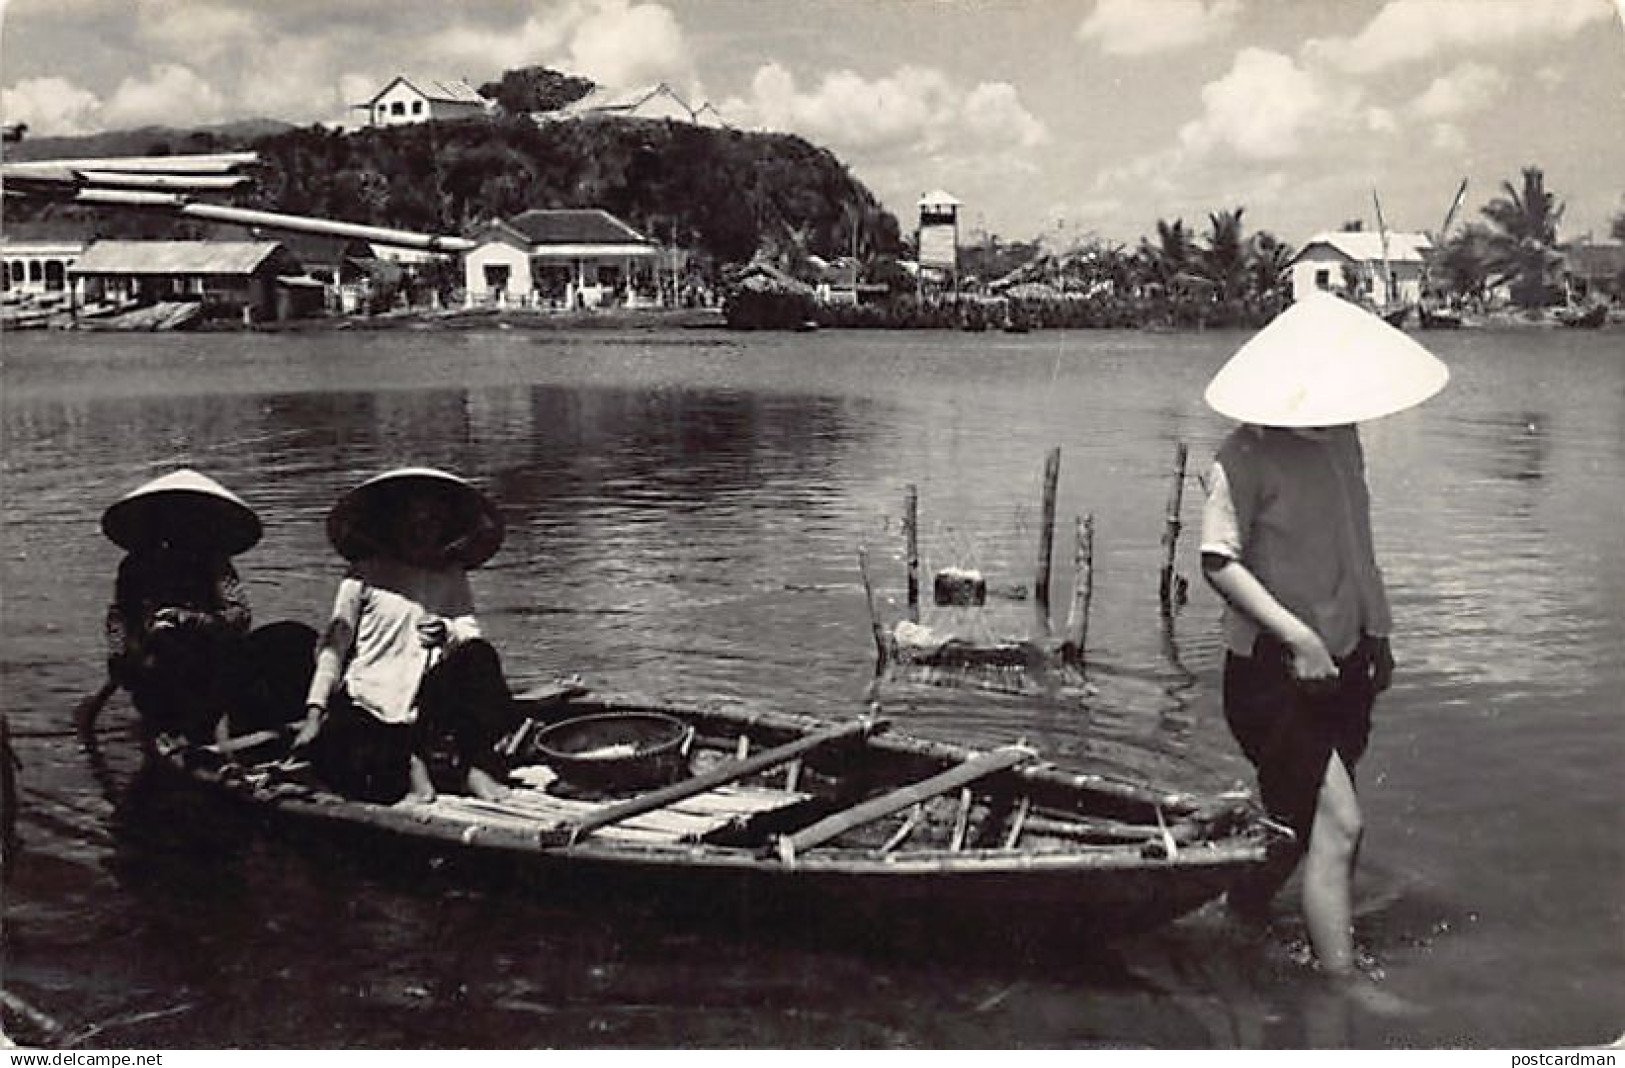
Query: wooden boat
x,y
1439,318
802,815
1585,318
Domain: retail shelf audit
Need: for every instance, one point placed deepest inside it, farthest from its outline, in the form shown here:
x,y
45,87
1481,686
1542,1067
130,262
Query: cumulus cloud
x,y
168,94
1141,27
912,110
614,42
1265,107
286,80
1448,137
52,107
1405,31
1470,87
197,32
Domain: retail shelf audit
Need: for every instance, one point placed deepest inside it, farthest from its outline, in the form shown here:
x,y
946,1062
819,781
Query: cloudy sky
x,y
1064,117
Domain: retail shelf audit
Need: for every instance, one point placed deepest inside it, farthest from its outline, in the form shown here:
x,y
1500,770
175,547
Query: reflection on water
x,y
685,513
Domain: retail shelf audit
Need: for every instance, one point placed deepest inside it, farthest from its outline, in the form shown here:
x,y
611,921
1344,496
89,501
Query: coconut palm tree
x,y
1462,262
1268,273
1171,255
1223,259
1522,243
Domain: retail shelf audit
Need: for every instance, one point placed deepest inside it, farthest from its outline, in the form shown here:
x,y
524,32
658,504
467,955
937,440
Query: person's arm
x,y
1241,588
331,655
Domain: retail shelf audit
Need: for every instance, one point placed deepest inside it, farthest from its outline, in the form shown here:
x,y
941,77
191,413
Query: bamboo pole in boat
x,y
961,820
911,822
1083,587
911,531
1166,593
1046,545
721,776
1018,822
876,628
837,824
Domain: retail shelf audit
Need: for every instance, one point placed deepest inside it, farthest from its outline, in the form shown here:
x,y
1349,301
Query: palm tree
x,y
1224,258
1171,255
1268,272
1523,243
1463,262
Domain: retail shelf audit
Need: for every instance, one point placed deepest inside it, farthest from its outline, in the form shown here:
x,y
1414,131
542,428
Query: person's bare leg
x,y
1328,871
422,789
483,785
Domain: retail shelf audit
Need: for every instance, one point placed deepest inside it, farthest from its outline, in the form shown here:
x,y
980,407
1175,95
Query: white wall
x,y
496,254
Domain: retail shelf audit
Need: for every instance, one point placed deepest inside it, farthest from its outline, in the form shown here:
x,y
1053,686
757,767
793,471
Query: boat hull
x,y
1039,893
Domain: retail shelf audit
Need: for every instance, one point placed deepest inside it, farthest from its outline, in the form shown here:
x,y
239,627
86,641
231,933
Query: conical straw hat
x,y
183,507
361,523
1324,362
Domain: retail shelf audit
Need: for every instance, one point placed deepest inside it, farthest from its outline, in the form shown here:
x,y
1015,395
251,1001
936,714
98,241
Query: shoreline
x,y
649,319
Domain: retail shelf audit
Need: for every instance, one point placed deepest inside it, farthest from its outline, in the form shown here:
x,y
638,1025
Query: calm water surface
x,y
685,512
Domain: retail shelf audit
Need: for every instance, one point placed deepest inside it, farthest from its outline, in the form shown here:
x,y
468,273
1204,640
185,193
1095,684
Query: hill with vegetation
x,y
723,194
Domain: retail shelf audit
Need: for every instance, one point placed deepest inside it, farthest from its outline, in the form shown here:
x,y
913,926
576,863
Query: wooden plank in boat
x,y
536,809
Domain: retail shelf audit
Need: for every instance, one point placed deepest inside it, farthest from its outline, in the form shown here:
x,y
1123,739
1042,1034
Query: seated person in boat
x,y
178,637
1286,540
403,668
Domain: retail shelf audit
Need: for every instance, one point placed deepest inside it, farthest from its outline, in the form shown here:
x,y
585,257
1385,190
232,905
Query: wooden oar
x,y
86,711
838,823
720,776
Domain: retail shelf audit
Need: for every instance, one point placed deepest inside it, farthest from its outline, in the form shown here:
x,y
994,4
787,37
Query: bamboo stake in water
x,y
1170,532
1083,587
1046,543
911,530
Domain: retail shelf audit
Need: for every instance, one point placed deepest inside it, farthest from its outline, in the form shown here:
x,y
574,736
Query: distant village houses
x,y
407,100
1330,261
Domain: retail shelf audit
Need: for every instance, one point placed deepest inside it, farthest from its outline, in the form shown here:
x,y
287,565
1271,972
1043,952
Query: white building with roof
x,y
560,258
1327,260
406,100
225,277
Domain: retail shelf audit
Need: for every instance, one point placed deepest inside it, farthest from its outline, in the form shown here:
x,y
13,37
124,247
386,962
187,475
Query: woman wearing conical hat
x,y
178,606
403,664
1286,540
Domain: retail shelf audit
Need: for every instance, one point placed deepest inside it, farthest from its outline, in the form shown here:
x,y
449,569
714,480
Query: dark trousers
x,y
1289,731
189,681
464,709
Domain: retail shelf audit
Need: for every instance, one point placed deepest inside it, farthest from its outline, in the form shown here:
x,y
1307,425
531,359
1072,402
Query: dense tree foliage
x,y
533,89
723,193
1522,243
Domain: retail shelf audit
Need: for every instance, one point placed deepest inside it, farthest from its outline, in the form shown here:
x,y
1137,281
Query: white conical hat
x,y
1324,362
182,506
358,525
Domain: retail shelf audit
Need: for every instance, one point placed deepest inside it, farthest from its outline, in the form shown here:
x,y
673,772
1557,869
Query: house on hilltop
x,y
654,103
406,100
1327,259
565,258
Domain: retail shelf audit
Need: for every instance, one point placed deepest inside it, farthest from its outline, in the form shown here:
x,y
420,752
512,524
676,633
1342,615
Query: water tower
x,y
939,234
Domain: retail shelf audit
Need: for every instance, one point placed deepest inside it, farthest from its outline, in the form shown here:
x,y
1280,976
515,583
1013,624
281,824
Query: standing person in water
x,y
1286,540
178,637
403,665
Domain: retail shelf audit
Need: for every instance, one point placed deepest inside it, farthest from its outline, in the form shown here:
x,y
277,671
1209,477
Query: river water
x,y
685,511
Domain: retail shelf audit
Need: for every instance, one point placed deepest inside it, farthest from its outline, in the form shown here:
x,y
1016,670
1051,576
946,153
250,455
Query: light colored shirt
x,y
1296,513
372,645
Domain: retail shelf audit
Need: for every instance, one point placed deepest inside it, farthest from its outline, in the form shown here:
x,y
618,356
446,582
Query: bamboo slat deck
x,y
532,807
